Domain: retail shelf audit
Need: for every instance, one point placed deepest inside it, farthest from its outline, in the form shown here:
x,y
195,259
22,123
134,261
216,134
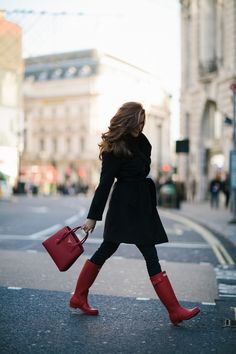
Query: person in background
x,y
226,189
215,188
132,215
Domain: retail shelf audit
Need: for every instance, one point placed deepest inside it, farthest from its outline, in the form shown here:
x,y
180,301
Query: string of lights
x,y
62,13
34,37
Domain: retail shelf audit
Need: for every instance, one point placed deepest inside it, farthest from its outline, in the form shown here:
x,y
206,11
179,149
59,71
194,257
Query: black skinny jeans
x,y
149,253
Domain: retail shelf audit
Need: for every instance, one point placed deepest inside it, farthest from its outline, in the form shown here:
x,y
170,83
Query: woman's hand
x,y
89,225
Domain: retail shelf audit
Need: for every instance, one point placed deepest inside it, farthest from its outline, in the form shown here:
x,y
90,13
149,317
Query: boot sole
x,y
186,319
74,307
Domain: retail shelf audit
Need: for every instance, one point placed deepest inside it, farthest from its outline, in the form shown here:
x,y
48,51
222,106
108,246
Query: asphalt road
x,y
34,315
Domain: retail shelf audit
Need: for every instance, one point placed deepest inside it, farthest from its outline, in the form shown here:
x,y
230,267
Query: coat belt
x,y
151,185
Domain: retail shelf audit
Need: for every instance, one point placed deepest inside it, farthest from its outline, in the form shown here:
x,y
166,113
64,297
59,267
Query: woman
x,y
132,216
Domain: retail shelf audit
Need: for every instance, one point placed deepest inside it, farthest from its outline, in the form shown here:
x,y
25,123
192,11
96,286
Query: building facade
x,y
11,109
69,100
208,69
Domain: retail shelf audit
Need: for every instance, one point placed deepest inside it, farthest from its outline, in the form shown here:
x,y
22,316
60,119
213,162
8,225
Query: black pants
x,y
149,253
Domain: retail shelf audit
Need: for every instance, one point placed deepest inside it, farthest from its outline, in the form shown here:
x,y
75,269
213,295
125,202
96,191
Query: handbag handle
x,y
74,230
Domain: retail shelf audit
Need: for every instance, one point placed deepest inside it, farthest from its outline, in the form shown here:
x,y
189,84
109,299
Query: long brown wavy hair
x,y
127,119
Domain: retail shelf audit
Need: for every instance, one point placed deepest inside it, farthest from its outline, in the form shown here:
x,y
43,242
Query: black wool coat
x,y
132,215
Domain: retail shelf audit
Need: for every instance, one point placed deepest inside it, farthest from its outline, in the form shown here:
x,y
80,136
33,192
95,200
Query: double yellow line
x,y
220,252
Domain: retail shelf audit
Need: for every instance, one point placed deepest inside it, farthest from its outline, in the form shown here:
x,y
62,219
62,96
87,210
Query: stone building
x,y
69,100
208,69
11,110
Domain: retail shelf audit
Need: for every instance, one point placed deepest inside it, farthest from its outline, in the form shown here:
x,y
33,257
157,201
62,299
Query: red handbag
x,y
65,247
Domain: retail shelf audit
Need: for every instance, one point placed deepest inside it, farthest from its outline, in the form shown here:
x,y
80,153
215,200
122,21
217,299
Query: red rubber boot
x,y
86,278
166,294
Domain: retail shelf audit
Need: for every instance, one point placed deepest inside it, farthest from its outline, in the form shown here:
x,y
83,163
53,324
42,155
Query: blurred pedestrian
x,y
132,216
215,187
225,185
192,189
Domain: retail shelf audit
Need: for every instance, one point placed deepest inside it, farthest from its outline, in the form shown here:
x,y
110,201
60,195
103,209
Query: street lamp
x,y
233,158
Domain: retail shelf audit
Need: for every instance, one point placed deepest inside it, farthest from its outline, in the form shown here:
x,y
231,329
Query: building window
x,y
54,111
68,144
85,70
67,111
82,144
187,125
40,112
54,145
57,73
70,72
41,144
207,37
43,75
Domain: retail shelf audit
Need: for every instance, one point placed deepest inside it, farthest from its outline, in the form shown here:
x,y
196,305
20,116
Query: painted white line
x,y
185,245
179,232
39,210
181,227
94,240
82,212
71,220
217,247
13,237
31,251
227,295
209,303
45,232
97,240
142,298
13,288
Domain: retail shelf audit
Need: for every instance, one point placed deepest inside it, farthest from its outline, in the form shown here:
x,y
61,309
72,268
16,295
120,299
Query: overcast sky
x,y
145,33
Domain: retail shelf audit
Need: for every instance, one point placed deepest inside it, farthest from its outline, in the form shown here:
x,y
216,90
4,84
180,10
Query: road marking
x,y
217,247
71,219
40,210
13,288
227,295
98,241
45,232
209,303
142,298
40,235
13,237
82,212
185,245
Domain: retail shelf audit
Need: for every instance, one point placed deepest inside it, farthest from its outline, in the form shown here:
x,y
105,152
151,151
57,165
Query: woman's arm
x,y
110,167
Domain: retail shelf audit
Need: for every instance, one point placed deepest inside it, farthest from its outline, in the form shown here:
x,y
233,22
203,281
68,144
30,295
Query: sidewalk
x,y
216,220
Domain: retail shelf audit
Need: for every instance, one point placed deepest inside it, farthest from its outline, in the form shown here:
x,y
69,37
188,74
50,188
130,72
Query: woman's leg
x,y
152,261
88,275
104,252
163,287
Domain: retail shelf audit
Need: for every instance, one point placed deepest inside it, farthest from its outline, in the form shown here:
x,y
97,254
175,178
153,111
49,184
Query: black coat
x,y
132,216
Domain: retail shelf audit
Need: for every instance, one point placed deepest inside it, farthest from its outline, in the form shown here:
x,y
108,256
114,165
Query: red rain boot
x,y
86,278
166,294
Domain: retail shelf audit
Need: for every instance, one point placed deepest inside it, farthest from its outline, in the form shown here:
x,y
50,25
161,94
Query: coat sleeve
x,y
110,167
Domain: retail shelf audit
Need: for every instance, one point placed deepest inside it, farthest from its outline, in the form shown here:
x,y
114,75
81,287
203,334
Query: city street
x,y
35,317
